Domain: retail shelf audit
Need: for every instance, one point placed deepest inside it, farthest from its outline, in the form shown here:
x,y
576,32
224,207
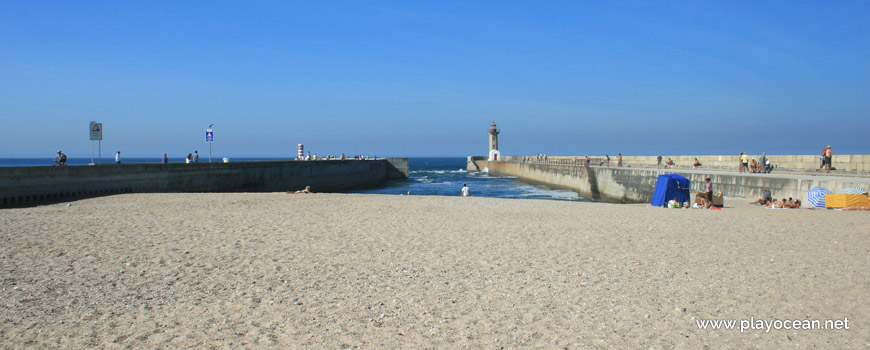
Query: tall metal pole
x,y
209,137
100,147
92,152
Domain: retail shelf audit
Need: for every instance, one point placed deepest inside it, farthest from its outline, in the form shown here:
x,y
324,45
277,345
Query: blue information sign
x,y
209,135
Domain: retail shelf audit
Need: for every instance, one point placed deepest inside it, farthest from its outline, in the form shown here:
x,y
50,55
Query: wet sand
x,y
371,271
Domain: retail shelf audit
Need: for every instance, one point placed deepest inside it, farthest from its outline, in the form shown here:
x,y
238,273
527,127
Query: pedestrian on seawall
x,y
60,159
828,157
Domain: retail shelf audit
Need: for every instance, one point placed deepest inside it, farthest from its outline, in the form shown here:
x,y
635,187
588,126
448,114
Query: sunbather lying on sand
x,y
306,190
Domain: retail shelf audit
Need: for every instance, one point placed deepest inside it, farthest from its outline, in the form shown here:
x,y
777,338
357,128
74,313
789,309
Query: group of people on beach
x,y
700,203
703,200
768,201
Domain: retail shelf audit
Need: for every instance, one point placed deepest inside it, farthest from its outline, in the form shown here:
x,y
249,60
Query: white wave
x,y
485,170
529,191
438,172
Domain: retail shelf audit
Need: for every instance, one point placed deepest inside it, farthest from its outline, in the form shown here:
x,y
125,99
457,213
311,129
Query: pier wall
x,y
855,163
846,163
397,168
21,185
476,163
628,185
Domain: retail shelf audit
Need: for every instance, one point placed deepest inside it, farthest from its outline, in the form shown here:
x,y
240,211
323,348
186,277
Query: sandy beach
x,y
327,271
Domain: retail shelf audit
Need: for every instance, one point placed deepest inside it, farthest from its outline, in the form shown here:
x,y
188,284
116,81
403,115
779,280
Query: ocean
x,y
428,176
445,177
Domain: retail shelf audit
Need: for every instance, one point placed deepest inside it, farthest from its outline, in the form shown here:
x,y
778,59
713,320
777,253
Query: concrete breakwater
x,y
858,164
21,185
636,185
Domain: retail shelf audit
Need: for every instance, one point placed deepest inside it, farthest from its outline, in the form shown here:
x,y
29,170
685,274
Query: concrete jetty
x,y
635,182
26,185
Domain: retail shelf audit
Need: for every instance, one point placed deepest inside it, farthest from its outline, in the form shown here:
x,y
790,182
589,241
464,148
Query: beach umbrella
x,y
816,196
852,190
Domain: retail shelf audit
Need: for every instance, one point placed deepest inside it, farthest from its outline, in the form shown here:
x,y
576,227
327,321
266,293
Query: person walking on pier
x,y
744,162
607,160
465,191
165,159
118,157
659,161
619,161
196,156
828,157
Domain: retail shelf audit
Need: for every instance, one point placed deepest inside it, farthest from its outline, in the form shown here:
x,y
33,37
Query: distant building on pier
x,y
494,154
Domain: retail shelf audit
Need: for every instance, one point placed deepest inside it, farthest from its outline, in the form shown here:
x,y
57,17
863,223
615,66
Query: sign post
x,y
96,134
209,138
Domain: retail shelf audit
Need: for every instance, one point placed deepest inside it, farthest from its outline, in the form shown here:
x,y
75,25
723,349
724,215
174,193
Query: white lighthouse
x,y
494,154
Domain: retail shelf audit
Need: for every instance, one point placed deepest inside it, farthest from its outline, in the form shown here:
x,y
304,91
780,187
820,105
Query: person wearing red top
x,y
709,193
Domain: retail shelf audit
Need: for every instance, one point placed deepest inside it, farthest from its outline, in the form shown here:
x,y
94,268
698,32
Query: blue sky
x,y
411,78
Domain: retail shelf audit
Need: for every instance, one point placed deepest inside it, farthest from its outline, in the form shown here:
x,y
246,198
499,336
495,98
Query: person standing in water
x,y
465,191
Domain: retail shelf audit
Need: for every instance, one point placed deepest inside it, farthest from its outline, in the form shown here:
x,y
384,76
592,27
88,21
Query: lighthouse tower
x,y
494,154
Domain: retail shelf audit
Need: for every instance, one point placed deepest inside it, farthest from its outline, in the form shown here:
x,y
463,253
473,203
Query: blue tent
x,y
669,186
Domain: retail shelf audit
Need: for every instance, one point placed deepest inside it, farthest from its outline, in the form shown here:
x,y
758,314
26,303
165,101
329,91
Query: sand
x,y
274,270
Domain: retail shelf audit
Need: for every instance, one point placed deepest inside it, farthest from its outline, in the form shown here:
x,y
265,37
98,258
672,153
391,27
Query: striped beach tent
x,y
852,190
816,196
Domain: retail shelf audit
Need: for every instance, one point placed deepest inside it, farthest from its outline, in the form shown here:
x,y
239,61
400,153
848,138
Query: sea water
x,y
445,177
